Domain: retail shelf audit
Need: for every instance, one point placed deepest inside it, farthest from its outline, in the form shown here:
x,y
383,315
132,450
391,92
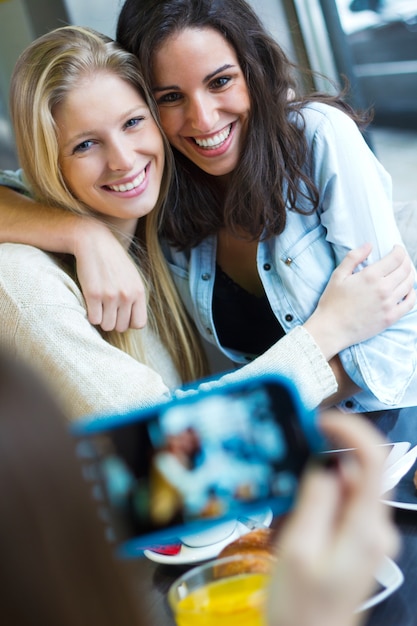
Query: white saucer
x,y
404,495
398,450
212,535
398,464
390,577
407,506
188,554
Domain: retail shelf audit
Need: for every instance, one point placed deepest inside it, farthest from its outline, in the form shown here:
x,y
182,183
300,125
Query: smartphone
x,y
189,463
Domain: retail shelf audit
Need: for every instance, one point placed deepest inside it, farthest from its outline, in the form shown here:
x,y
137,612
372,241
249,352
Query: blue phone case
x,y
183,465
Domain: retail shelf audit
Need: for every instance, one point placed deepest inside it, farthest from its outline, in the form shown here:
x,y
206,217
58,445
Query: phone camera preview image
x,y
189,463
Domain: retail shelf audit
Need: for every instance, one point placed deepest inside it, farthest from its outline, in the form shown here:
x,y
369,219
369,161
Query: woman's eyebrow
x,y
224,67
206,79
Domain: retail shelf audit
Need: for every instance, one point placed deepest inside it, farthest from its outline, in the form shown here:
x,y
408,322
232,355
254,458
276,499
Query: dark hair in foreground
x,y
56,568
269,174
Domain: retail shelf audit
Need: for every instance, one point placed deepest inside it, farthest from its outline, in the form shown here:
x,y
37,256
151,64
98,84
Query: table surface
x,y
151,581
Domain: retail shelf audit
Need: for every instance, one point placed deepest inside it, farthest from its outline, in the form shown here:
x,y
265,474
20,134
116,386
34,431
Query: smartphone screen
x,y
188,463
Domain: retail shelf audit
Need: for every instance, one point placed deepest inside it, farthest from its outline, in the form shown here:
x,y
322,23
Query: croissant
x,y
253,548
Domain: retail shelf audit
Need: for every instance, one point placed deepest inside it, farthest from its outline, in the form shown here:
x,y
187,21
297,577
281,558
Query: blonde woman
x,y
93,155
65,87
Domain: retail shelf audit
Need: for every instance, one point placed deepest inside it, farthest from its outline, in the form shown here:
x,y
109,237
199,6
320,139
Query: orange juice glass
x,y
224,592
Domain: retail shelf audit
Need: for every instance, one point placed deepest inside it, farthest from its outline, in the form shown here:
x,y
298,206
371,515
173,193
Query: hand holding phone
x,y
186,464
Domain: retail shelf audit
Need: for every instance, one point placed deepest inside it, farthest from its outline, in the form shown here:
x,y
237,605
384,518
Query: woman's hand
x,y
112,287
357,306
332,544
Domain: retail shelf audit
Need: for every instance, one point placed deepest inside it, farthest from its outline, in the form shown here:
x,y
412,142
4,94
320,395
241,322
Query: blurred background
x,y
373,43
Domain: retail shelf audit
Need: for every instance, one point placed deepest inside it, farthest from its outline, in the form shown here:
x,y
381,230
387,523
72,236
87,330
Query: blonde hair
x,y
44,74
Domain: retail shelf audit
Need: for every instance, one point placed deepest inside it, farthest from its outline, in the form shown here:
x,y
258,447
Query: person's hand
x,y
331,545
357,306
112,287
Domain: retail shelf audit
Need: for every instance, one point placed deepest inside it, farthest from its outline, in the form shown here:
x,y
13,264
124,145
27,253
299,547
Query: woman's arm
x,y
43,320
114,291
297,355
109,287
335,321
302,356
358,305
353,307
332,544
22,220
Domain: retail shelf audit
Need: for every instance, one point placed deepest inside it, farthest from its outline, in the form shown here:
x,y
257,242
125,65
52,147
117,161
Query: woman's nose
x,y
202,114
120,156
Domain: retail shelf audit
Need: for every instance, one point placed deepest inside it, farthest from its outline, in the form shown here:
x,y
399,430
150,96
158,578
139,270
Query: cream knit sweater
x,y
43,320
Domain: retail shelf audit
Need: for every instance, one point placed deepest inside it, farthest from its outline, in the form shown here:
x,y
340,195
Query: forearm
x,y
297,357
325,335
345,385
22,220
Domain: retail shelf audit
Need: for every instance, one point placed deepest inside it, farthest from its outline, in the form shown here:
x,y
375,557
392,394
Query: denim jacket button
x,y
267,267
289,317
209,331
205,276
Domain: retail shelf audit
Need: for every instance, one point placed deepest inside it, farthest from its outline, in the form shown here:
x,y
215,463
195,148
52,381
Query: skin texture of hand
x,y
357,306
112,287
332,543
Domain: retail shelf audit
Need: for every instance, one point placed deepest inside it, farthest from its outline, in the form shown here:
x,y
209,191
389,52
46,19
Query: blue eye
x,y
133,122
84,146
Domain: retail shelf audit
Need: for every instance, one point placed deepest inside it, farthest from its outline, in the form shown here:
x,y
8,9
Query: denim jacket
x,y
295,267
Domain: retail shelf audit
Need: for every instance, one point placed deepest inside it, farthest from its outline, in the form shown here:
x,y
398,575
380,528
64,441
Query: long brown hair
x,y
56,566
44,74
269,177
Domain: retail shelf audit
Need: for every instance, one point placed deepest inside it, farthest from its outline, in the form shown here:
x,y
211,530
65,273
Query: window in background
x,y
382,37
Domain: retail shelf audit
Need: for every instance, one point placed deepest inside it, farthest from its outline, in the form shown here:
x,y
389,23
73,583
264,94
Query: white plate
x,y
408,506
396,471
188,554
390,577
404,496
397,451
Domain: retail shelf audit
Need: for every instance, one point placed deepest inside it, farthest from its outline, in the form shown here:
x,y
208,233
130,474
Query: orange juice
x,y
234,601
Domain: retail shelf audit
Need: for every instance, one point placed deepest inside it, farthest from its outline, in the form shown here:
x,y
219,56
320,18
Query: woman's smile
x,y
216,144
133,184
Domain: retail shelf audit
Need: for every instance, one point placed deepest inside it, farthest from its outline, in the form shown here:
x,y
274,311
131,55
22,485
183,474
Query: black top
x,y
243,322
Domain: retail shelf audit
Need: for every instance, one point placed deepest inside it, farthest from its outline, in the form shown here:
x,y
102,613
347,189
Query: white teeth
x,y
216,141
129,186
